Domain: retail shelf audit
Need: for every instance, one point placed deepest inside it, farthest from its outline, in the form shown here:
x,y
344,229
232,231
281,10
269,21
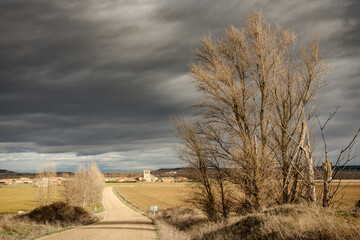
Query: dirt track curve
x,y
120,222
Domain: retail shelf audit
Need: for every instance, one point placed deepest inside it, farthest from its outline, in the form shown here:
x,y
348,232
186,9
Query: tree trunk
x,y
310,178
327,174
256,183
309,164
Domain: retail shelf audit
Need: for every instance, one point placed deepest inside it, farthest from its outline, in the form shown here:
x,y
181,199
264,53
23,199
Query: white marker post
x,y
154,209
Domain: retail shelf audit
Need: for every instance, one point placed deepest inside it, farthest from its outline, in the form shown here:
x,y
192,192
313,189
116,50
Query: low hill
x,y
2,171
174,172
10,174
348,172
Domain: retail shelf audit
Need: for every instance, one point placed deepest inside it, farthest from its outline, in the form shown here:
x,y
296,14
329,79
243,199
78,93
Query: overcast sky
x,y
98,80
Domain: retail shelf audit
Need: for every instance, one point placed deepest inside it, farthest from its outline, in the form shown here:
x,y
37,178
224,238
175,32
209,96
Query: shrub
x,y
357,204
181,218
61,213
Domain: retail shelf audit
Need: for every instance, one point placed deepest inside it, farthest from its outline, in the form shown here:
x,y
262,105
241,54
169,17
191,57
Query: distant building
x,y
27,180
110,179
47,181
148,177
5,181
168,179
16,181
120,179
182,179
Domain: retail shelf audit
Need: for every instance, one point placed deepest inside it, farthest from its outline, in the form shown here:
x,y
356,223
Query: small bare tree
x,y
85,187
329,171
193,152
45,184
69,192
96,185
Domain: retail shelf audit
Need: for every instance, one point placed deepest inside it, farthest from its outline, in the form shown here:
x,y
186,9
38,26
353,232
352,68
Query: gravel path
x,y
120,222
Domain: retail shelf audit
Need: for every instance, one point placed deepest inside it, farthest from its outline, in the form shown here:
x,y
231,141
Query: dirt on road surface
x,y
120,222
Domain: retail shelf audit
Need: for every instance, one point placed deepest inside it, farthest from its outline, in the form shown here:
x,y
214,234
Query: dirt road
x,y
120,222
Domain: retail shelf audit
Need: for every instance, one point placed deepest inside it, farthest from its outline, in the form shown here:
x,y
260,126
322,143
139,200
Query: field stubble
x,y
144,195
20,198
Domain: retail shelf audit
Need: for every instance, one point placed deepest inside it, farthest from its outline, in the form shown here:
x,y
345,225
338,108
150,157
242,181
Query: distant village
x,y
172,176
148,177
36,181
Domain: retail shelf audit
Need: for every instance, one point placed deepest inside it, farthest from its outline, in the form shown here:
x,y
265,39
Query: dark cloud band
x,y
90,78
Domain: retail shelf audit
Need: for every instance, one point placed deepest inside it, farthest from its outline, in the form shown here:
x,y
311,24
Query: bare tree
x,y
329,172
69,192
85,187
45,184
258,95
194,154
294,96
96,185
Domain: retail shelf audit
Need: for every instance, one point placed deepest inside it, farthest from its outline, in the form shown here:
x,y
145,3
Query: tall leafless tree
x,y
258,96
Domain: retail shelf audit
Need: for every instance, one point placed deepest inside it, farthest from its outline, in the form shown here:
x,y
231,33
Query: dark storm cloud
x,y
93,79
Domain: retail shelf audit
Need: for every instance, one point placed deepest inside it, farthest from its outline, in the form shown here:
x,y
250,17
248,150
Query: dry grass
x,y
303,222
43,221
13,228
143,196
285,222
19,198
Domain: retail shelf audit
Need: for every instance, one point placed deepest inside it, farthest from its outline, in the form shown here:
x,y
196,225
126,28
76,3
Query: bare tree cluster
x,y
85,188
258,95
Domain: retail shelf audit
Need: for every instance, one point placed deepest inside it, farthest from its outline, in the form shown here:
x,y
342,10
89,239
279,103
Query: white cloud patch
x,y
108,162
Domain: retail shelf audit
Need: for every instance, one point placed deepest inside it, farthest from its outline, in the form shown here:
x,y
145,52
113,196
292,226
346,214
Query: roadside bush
x,y
181,218
357,204
61,213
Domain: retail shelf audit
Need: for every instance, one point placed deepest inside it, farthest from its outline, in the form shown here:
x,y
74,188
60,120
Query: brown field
x,y
18,198
350,193
144,195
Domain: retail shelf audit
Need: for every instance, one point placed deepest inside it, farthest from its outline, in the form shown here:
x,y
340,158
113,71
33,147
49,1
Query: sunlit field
x,y
19,198
144,195
15,198
350,193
